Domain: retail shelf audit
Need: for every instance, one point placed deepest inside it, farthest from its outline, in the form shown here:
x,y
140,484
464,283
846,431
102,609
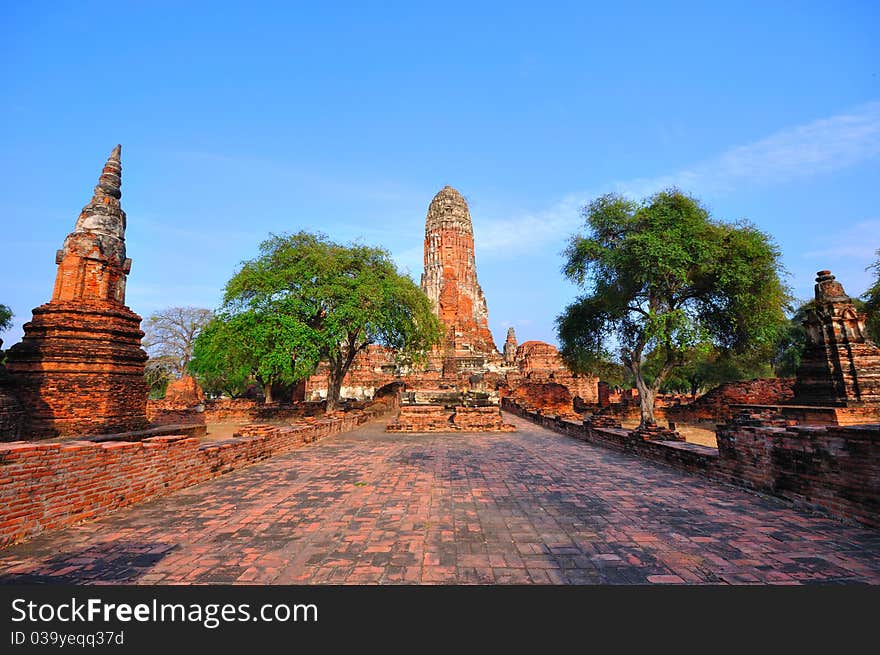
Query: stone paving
x,y
525,507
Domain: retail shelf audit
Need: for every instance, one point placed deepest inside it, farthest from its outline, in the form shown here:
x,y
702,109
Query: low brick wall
x,y
689,457
835,469
437,418
222,410
44,486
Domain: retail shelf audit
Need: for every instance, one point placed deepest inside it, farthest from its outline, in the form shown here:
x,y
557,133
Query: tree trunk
x,y
267,392
646,401
334,386
646,405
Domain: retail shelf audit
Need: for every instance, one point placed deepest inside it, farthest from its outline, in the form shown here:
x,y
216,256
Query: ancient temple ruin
x,y
450,282
79,368
840,365
461,386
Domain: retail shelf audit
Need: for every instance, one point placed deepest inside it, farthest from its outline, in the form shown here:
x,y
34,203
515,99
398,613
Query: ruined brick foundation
x,y
437,418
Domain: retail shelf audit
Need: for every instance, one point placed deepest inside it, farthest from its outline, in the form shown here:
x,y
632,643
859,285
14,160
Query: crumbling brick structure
x,y
80,368
840,365
510,348
438,418
549,397
719,403
12,412
540,362
185,392
450,280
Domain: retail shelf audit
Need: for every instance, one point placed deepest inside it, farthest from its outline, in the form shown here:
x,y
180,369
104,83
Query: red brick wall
x,y
436,418
44,486
12,413
549,397
833,467
715,404
220,410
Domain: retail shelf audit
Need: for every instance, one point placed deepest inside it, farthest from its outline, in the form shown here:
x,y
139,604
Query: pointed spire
x,y
110,182
103,218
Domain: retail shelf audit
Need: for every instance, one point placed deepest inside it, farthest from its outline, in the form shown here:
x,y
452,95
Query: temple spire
x,y
110,182
103,215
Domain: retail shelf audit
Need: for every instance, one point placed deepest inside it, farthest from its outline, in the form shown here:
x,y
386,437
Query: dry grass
x,y
703,434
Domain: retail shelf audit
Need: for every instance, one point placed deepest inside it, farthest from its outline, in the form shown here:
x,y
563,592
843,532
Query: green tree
x,y
663,279
270,347
220,360
5,318
5,324
791,343
701,369
309,299
872,303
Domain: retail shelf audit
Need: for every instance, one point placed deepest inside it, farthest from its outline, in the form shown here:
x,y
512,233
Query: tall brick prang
x,y
450,277
510,348
840,365
80,368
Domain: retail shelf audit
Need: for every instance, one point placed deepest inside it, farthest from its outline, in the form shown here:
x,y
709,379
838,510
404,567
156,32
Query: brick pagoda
x,y
840,365
80,368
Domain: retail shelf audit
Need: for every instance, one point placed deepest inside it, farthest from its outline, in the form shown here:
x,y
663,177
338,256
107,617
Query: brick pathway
x,y
526,507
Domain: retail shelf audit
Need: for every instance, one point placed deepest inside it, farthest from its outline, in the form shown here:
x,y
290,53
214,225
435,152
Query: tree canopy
x,y
663,279
5,318
307,299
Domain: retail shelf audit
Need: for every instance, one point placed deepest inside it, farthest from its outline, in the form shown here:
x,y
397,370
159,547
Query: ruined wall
x,y
437,418
225,410
836,468
184,391
51,485
715,405
550,397
540,362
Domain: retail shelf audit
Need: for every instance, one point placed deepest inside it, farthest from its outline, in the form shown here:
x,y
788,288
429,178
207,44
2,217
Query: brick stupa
x,y
840,365
80,368
450,282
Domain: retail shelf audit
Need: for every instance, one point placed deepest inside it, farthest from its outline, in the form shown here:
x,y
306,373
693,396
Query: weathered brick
x,y
80,367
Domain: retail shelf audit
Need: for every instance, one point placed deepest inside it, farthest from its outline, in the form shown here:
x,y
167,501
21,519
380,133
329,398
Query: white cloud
x,y
523,232
410,261
846,252
821,146
859,240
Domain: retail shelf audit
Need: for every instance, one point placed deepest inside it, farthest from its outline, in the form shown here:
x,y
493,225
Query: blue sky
x,y
241,119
